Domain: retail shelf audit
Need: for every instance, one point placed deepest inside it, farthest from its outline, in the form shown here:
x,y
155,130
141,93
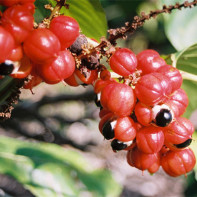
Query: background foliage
x,y
47,169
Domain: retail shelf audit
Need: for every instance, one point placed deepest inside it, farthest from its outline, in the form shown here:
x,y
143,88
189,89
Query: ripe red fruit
x,y
9,3
100,84
18,21
103,112
41,46
178,102
118,98
155,166
107,124
125,129
176,163
143,113
140,160
16,54
34,81
79,78
179,131
153,88
66,29
123,62
24,69
150,139
173,74
105,75
149,61
6,44
58,69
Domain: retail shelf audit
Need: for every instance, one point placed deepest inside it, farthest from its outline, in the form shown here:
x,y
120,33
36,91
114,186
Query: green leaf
x,y
180,25
186,59
49,170
190,87
88,13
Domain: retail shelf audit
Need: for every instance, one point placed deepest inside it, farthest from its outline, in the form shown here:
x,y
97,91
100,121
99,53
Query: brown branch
x,y
138,21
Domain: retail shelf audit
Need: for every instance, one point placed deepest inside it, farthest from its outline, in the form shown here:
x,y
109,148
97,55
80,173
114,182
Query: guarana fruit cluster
x,y
140,114
143,116
42,52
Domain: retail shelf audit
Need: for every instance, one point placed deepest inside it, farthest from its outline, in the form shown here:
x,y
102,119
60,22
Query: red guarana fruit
x,y
149,61
78,78
118,98
105,75
140,160
9,3
7,44
41,46
179,131
176,163
100,84
66,29
150,139
16,54
58,69
143,113
178,102
123,62
174,76
125,129
153,88
18,21
24,69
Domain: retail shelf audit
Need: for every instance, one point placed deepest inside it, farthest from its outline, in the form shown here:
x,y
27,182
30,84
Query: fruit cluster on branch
x,y
140,112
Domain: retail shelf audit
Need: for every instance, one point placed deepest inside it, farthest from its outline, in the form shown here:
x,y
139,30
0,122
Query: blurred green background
x,y
56,150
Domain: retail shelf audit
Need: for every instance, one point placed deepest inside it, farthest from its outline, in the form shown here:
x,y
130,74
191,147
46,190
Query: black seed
x,y
108,131
97,101
6,68
163,118
184,144
118,145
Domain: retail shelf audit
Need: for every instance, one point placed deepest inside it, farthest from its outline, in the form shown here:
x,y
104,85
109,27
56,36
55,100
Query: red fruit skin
x,y
143,114
78,78
174,76
150,139
60,68
24,69
118,98
100,84
105,75
179,131
41,46
140,160
6,44
18,21
103,112
149,61
178,101
176,163
123,62
9,3
16,54
66,29
125,129
34,81
104,119
153,88
30,7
